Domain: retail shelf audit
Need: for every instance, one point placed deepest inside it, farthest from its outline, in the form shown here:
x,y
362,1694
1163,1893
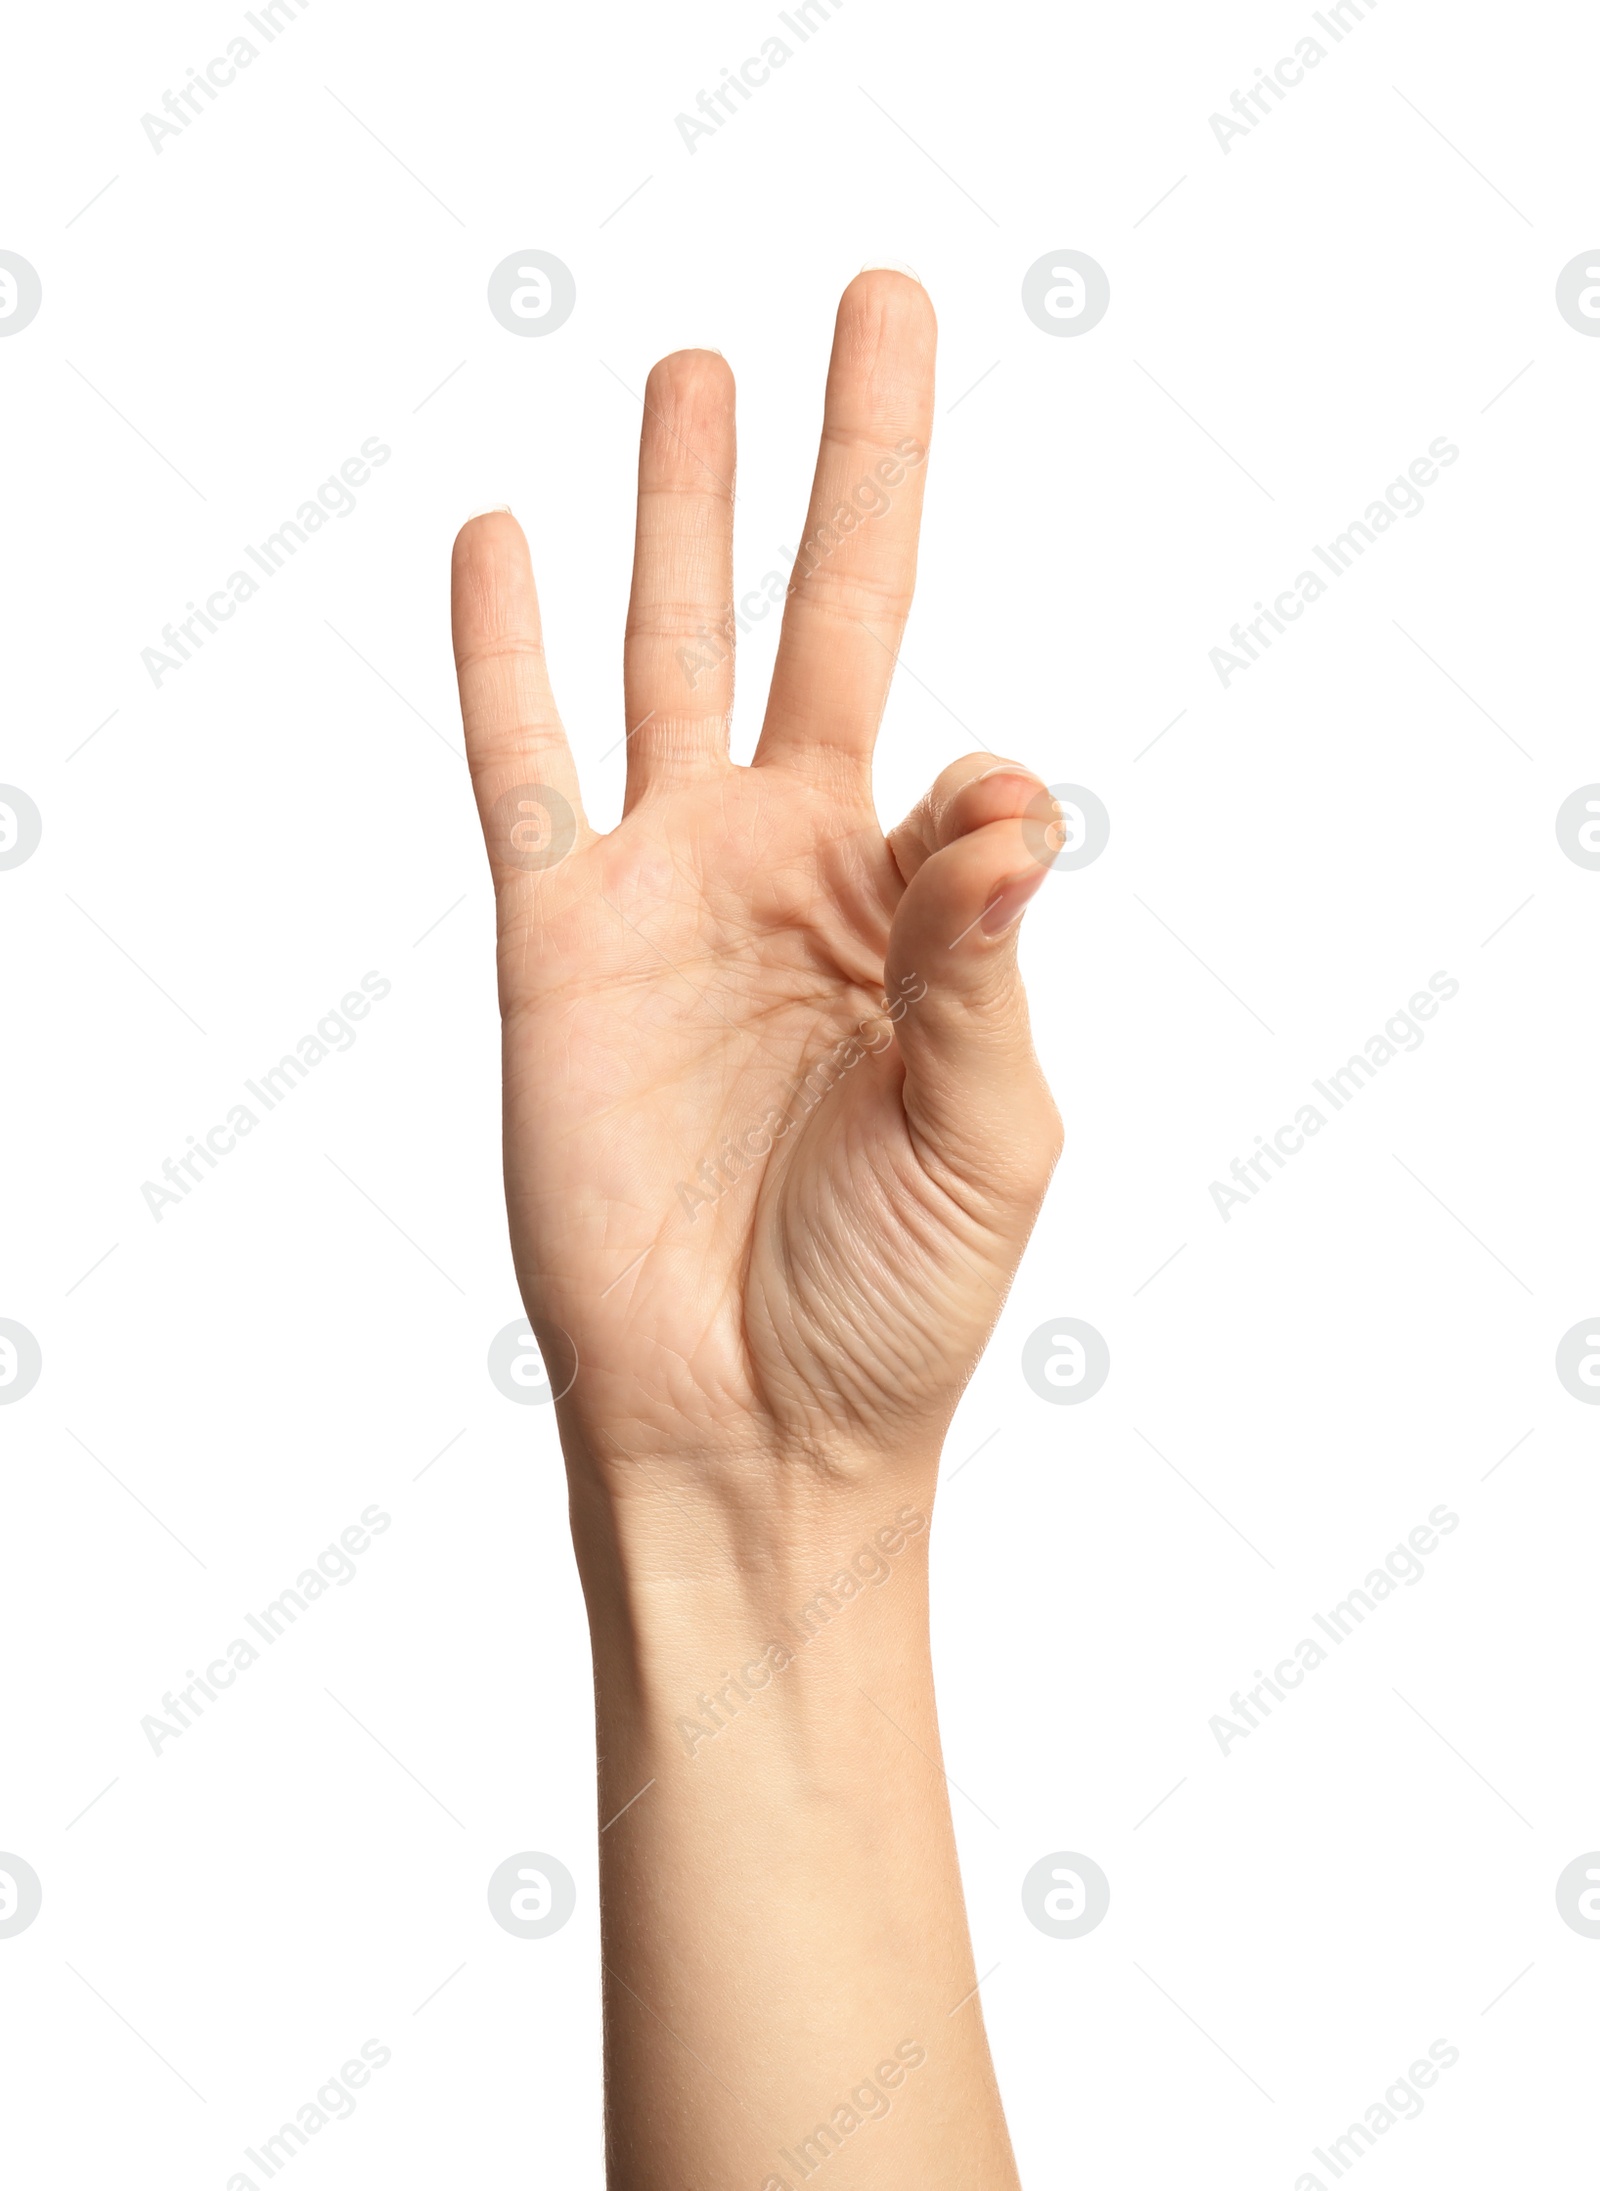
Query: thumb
x,y
974,1094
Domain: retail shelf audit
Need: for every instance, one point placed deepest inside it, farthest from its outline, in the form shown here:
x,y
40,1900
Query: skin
x,y
759,1360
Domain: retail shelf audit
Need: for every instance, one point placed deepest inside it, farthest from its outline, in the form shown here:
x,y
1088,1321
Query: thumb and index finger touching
x,y
974,850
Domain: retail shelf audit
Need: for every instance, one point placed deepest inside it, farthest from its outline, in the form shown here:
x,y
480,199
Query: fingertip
x,y
689,381
889,305
890,289
686,436
1009,791
1011,899
480,533
949,908
492,591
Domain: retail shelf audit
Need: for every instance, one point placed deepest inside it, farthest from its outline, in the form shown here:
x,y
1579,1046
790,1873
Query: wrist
x,y
779,1609
749,1536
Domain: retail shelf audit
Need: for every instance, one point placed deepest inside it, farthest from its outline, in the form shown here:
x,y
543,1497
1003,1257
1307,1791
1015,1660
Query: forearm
x,y
789,1983
755,1362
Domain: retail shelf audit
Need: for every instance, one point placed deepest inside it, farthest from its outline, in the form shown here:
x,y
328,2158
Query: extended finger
x,y
856,567
516,748
678,655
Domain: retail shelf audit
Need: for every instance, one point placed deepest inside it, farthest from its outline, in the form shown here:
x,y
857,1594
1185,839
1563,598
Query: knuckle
x,y
490,653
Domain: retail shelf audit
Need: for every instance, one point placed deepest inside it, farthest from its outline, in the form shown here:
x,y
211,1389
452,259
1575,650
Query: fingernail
x,y
1018,769
495,509
1010,901
888,266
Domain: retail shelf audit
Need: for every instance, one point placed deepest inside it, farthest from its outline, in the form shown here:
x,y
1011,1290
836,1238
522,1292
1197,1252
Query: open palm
x,y
774,1131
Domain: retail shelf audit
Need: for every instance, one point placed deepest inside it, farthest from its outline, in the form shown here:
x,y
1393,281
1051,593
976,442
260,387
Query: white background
x,y
227,1389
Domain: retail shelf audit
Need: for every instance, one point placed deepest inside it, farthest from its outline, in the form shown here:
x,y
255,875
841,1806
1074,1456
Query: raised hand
x,y
774,1130
774,1138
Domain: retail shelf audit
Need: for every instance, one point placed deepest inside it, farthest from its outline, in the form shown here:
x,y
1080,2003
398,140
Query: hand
x,y
774,1131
